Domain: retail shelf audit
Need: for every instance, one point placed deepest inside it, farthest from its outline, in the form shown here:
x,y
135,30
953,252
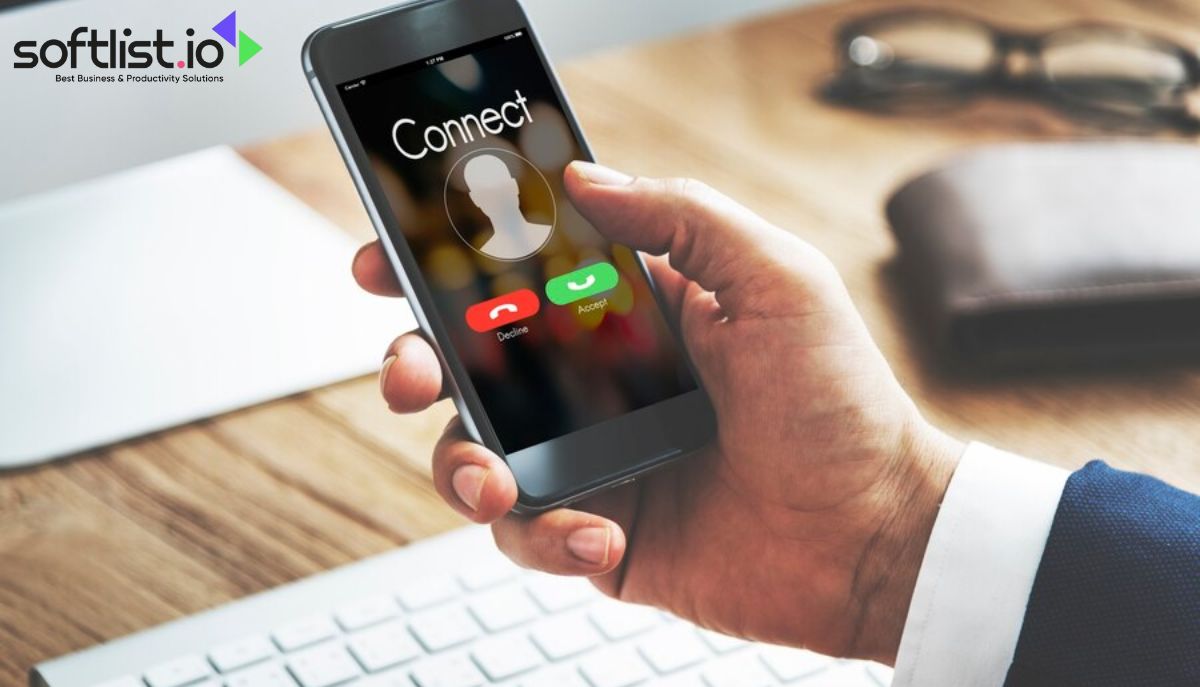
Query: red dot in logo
x,y
179,64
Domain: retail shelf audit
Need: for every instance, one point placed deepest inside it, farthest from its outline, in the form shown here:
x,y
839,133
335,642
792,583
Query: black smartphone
x,y
558,355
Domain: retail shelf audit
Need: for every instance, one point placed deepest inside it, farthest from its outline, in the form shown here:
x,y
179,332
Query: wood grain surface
x,y
129,536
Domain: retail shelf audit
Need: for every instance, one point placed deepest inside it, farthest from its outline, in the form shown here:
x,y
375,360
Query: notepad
x,y
169,293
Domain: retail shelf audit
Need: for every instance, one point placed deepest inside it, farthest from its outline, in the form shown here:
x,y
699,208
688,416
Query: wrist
x,y
911,494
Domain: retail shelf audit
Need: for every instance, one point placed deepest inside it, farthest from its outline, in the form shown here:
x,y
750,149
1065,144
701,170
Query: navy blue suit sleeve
x,y
1116,599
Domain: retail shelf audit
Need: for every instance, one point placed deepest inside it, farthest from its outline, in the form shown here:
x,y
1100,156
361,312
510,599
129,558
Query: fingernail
x,y
468,483
601,175
383,373
590,545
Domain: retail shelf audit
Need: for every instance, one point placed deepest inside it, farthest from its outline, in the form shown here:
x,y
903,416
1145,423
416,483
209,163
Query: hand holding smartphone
x,y
803,523
557,352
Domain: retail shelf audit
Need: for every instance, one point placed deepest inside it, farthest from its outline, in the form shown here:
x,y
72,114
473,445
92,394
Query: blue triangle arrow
x,y
227,28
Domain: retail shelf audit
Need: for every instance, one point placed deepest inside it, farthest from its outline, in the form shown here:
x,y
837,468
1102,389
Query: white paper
x,y
169,293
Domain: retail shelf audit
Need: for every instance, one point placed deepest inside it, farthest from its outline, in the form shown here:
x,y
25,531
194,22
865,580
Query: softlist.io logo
x,y
89,48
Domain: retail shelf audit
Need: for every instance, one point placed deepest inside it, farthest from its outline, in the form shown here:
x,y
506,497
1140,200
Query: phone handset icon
x,y
494,313
583,285
587,281
503,310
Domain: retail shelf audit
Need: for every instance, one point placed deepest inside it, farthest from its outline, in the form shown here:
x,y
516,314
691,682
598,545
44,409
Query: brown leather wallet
x,y
1036,253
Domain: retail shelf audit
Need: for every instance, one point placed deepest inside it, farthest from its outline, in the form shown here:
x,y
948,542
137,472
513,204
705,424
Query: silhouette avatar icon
x,y
495,192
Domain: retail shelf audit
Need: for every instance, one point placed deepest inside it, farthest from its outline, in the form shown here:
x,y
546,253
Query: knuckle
x,y
696,191
687,196
518,538
451,455
503,537
543,538
688,191
531,541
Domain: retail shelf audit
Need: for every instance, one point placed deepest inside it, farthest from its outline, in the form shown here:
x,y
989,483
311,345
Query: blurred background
x,y
1007,188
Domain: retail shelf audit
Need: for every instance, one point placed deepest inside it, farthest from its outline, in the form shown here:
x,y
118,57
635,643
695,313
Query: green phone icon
x,y
583,282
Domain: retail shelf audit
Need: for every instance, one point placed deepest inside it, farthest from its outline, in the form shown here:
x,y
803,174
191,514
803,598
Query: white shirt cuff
x,y
969,603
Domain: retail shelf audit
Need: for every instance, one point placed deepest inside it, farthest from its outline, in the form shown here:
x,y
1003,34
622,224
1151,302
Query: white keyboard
x,y
445,612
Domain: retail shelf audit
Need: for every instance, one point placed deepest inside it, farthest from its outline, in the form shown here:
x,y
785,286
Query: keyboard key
x,y
241,653
304,633
503,657
447,671
384,646
556,593
739,670
560,676
672,648
488,571
366,612
722,644
681,680
266,675
619,620
428,592
126,681
565,636
323,666
443,628
497,625
392,678
178,672
503,608
789,664
615,667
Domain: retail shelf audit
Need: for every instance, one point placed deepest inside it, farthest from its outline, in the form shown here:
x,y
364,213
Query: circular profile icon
x,y
500,204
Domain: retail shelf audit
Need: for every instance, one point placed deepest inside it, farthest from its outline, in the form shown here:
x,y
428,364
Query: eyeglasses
x,y
928,59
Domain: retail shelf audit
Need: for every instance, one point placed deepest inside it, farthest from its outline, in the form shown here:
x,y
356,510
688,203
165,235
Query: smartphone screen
x,y
556,327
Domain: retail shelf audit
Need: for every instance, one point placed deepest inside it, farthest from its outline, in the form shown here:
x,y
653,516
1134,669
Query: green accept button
x,y
583,282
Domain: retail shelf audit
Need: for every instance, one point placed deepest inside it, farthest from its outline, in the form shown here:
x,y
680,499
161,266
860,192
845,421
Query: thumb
x,y
710,239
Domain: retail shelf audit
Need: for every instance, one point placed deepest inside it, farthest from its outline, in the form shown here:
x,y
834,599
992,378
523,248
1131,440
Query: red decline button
x,y
503,310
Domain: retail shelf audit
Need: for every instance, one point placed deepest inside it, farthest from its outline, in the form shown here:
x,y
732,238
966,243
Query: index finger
x,y
373,272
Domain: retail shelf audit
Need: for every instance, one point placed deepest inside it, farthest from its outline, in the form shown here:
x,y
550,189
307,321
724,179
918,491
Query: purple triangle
x,y
227,28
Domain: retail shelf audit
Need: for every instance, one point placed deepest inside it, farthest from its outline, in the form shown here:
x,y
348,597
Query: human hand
x,y
806,522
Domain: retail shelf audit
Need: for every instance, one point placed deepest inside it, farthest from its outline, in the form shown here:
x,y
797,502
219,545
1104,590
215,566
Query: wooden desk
x,y
126,537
